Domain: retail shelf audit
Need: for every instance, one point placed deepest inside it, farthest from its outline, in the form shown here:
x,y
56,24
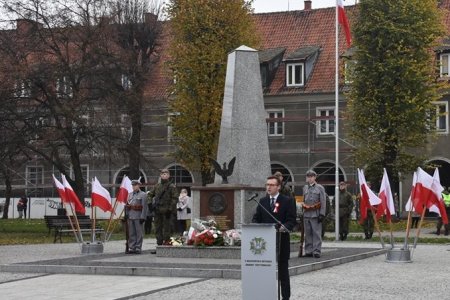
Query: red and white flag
x,y
72,197
60,188
409,205
100,196
422,190
368,197
387,200
342,19
436,203
124,190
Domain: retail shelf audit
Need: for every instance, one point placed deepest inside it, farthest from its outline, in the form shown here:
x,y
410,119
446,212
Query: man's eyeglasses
x,y
271,184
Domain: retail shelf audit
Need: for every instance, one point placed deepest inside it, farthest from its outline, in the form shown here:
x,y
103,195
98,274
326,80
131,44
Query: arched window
x,y
444,171
180,175
326,176
126,171
280,168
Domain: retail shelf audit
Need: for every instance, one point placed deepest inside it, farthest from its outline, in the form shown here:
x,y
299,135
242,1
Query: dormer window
x,y
300,64
295,74
444,58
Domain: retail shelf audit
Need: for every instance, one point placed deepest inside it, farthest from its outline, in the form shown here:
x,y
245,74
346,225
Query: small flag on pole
x,y
100,196
342,19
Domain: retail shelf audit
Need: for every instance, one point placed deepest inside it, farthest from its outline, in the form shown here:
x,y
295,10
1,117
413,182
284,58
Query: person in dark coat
x,y
345,210
163,197
284,210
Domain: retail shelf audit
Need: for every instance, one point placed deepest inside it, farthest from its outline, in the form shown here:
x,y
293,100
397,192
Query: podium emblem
x,y
258,245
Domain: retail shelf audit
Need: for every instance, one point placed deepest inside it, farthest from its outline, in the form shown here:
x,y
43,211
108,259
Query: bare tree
x,y
137,34
58,61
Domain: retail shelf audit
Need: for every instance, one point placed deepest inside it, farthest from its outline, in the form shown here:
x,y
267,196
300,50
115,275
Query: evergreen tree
x,y
390,103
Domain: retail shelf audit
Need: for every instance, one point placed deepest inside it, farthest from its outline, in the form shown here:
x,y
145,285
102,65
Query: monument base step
x,y
220,252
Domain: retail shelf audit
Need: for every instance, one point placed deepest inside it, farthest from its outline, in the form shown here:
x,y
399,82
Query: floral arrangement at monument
x,y
204,233
232,237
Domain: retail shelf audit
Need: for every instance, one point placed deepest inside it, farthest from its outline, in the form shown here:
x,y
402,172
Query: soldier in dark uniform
x,y
345,210
284,190
135,214
314,209
163,198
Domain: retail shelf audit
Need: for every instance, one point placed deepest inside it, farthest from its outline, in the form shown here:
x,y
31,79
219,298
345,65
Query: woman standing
x,y
183,210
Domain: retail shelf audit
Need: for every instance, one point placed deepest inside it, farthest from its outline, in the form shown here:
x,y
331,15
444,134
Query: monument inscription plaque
x,y
218,205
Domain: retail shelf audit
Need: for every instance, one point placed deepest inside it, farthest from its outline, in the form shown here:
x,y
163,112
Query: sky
x,y
261,6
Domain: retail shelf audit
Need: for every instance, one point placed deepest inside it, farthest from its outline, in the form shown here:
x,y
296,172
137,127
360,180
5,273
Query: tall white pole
x,y
336,129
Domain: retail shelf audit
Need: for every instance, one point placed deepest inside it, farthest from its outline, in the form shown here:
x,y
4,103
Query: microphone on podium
x,y
252,197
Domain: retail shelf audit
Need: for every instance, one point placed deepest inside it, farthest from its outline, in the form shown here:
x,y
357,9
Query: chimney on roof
x,y
26,26
307,5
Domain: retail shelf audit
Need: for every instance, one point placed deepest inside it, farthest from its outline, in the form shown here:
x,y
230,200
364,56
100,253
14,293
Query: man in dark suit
x,y
284,210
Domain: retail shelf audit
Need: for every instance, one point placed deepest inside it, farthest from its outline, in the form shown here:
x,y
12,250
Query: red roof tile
x,y
290,30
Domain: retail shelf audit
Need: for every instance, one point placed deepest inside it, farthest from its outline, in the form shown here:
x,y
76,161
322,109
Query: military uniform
x,y
345,211
135,214
166,196
314,209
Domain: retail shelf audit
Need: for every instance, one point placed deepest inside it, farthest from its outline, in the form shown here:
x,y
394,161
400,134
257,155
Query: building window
x,y
444,64
180,175
64,87
441,116
295,74
22,89
125,81
34,175
275,128
84,171
325,122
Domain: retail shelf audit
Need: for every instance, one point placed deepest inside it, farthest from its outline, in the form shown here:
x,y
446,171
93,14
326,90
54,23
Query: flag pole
x,y
111,216
336,126
408,228
114,224
377,226
392,233
419,227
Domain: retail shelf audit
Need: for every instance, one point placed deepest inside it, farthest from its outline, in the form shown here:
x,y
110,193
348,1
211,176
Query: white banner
x,y
37,208
258,262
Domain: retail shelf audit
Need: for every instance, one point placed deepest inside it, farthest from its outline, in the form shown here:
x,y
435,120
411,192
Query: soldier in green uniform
x,y
345,210
163,198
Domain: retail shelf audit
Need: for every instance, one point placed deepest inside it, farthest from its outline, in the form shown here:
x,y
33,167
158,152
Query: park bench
x,y
61,224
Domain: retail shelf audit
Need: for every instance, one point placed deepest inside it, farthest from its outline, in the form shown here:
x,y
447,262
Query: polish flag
x,y
124,190
387,200
100,196
422,190
60,188
72,197
436,203
409,205
342,19
368,197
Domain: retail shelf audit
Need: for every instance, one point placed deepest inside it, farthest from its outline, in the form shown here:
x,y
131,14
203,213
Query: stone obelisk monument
x,y
243,135
243,130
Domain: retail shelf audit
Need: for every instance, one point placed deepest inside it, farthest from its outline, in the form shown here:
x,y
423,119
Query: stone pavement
x,y
371,278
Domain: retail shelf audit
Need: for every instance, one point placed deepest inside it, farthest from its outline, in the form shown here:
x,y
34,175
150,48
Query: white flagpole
x,y
336,129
